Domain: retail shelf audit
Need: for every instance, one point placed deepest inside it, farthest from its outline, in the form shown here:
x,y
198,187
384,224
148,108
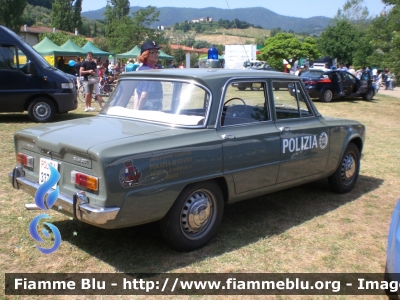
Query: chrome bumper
x,y
77,206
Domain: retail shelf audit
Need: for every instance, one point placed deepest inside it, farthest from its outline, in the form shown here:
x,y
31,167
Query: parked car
x,y
392,271
29,83
179,163
336,84
255,87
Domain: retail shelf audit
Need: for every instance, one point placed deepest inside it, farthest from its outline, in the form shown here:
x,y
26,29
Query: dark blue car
x,y
337,84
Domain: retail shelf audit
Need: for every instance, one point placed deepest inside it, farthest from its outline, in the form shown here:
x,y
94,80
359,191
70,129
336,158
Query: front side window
x,y
244,102
11,58
7,57
171,102
292,104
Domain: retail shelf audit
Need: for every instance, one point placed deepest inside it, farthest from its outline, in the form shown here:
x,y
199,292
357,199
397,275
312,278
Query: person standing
x,y
131,66
148,90
352,70
77,68
88,70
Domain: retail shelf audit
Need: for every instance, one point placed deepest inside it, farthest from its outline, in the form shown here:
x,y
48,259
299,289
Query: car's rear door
x,y
304,145
250,140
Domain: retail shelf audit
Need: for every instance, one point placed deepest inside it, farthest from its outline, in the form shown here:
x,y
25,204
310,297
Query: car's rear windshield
x,y
312,74
161,101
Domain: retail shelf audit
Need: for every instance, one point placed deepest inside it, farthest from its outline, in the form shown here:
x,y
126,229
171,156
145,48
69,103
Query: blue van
x,y
29,83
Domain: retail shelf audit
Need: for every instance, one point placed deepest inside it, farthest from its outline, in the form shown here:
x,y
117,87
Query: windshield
x,y
170,102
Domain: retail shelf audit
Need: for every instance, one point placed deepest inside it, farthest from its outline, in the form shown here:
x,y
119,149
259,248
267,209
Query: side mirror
x,y
31,68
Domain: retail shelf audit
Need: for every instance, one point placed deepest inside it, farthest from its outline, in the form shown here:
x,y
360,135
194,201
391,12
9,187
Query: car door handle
x,y
284,128
228,136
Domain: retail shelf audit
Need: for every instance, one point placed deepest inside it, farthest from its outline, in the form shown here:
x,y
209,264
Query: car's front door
x,y
304,139
349,83
15,83
250,140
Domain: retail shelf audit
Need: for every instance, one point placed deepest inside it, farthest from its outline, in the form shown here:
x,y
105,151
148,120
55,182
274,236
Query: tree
x,y
76,15
383,36
125,33
11,12
340,41
116,11
353,10
287,46
179,55
62,14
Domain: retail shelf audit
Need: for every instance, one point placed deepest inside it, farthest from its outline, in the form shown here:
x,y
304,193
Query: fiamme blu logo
x,y
40,202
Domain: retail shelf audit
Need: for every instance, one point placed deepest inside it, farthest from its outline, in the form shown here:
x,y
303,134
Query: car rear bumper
x,y
77,206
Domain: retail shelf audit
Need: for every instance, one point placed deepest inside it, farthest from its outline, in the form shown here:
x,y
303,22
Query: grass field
x,y
303,229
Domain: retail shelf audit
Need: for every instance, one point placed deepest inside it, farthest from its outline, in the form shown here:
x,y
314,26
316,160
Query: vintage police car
x,y
176,145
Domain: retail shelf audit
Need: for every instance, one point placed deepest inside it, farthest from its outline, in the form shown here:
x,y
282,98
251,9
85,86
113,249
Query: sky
x,y
292,8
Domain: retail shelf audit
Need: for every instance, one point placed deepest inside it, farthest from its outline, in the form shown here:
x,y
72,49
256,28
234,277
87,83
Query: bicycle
x,y
105,91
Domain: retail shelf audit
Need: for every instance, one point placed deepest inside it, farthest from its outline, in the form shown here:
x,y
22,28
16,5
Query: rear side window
x,y
291,103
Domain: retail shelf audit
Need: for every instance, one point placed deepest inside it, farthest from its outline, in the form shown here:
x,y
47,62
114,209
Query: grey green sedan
x,y
176,146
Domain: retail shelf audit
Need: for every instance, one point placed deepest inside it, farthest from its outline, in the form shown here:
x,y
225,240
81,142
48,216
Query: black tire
x,y
346,175
368,96
41,110
326,96
81,94
276,88
241,88
194,218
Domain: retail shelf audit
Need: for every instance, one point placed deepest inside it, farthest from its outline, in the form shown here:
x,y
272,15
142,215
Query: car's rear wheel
x,y
346,175
41,110
241,88
368,96
194,218
326,96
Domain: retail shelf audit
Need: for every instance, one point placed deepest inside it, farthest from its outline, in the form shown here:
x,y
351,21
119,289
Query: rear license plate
x,y
44,170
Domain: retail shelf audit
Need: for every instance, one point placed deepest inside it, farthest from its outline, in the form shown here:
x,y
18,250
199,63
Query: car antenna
x,y
234,22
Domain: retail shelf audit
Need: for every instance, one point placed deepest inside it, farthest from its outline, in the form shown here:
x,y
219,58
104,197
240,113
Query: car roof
x,y
206,74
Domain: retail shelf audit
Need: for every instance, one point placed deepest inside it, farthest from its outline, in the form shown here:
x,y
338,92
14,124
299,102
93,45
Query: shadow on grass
x,y
142,249
20,118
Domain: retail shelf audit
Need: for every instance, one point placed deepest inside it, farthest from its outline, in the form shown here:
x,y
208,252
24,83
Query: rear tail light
x,y
25,160
310,82
83,180
313,82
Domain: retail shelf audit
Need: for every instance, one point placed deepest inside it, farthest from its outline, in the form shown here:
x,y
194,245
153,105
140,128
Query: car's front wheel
x,y
326,96
194,218
346,175
41,110
368,96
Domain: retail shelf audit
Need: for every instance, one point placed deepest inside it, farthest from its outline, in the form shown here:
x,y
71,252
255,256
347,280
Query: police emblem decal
x,y
129,175
323,140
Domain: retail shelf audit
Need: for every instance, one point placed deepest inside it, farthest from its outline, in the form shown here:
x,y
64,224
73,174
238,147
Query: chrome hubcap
x,y
349,167
197,214
41,111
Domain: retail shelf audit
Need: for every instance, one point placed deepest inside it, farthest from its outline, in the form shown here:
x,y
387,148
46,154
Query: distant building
x,y
31,34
